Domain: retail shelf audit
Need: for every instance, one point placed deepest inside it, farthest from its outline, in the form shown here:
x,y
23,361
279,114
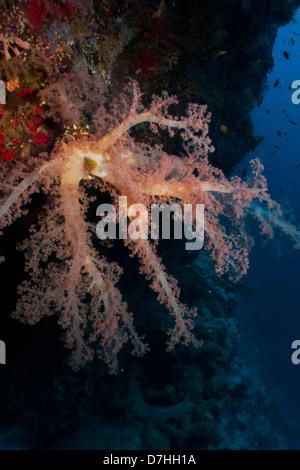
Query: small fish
x,y
256,64
268,111
293,122
276,83
276,147
224,129
279,133
161,8
219,54
29,252
261,99
293,181
292,41
286,55
244,172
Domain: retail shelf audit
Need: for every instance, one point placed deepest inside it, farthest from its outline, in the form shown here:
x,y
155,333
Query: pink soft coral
x,y
69,277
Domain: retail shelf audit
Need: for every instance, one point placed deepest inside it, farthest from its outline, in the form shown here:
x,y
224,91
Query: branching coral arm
x,y
157,114
168,294
23,187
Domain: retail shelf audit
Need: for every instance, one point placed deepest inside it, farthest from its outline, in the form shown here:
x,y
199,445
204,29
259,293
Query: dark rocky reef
x,y
209,51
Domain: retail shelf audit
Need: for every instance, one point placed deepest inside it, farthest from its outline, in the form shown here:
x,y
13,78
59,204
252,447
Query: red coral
x,y
37,11
159,30
7,156
35,124
27,94
38,109
2,142
40,138
65,9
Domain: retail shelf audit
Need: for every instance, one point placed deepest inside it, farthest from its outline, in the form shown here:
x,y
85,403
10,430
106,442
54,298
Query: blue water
x,y
271,319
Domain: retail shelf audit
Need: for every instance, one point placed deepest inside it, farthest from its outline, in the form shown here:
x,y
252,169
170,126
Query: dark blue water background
x,y
273,312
